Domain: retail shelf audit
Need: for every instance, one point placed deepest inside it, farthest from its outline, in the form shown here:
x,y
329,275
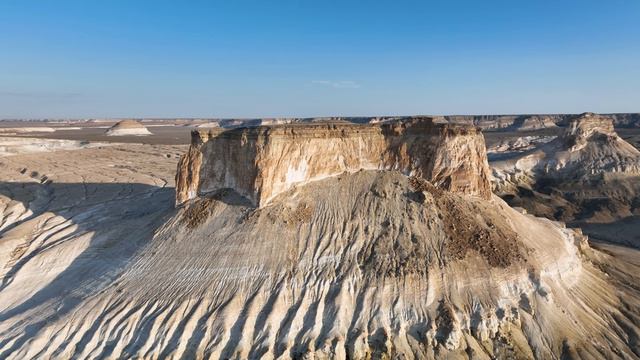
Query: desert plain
x,y
404,237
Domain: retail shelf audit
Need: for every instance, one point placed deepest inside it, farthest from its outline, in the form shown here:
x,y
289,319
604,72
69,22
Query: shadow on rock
x,y
119,219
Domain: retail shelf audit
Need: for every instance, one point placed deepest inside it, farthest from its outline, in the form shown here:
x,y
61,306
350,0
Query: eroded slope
x,y
368,264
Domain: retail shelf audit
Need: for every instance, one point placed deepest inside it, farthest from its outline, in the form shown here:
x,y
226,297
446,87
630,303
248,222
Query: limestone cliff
x,y
583,127
588,146
261,162
588,173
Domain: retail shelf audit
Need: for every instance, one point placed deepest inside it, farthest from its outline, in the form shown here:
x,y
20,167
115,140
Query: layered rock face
x,y
586,173
586,124
260,163
589,146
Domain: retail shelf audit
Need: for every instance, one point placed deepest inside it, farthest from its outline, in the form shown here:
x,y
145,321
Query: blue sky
x,y
241,58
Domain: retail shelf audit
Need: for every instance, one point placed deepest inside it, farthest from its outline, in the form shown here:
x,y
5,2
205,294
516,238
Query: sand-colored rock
x,y
207,125
518,144
262,162
586,173
589,146
128,127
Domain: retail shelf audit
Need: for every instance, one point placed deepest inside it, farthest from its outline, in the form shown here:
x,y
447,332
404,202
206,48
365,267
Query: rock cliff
x,y
582,128
260,163
588,146
586,173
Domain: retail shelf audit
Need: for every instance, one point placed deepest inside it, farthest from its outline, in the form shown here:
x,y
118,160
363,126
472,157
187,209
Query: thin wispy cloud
x,y
342,84
38,94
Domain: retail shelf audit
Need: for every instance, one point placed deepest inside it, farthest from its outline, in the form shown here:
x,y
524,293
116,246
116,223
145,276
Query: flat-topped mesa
x,y
262,162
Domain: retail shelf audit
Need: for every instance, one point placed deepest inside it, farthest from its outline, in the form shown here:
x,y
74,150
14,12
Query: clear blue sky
x,y
241,58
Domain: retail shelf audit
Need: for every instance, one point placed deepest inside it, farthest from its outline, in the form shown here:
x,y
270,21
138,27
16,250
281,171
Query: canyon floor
x,y
98,263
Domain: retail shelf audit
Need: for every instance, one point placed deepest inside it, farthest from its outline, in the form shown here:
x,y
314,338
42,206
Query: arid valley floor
x,y
336,238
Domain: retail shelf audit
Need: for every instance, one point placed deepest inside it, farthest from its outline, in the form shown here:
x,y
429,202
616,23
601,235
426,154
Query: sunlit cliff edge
x,y
262,162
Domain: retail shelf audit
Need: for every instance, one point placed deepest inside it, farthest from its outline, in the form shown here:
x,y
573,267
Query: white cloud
x,y
341,84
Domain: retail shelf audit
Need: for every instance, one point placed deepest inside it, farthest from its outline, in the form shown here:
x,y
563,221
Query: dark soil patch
x,y
302,214
394,252
198,212
292,217
470,228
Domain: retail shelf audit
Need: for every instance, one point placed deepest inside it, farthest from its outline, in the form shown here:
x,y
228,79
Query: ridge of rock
x,y
261,162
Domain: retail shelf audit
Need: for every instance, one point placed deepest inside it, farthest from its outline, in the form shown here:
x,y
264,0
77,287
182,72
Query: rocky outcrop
x,y
583,127
260,163
589,146
518,144
128,127
535,122
620,120
588,172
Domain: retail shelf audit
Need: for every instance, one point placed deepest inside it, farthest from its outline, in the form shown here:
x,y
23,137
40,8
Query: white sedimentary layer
x,y
20,145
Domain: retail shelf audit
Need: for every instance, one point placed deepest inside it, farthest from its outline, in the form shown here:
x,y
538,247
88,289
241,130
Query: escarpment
x,y
261,162
588,147
588,173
